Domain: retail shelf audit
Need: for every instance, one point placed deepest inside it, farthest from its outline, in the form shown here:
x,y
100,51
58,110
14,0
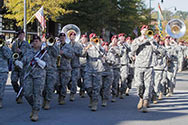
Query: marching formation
x,y
103,70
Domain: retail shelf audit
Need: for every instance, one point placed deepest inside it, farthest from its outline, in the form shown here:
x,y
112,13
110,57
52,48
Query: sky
x,y
169,4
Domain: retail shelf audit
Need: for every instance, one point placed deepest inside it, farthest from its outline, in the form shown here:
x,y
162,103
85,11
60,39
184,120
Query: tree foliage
x,y
52,9
114,15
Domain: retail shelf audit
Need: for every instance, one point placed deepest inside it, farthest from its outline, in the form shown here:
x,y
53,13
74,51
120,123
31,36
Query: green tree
x,y
114,15
52,9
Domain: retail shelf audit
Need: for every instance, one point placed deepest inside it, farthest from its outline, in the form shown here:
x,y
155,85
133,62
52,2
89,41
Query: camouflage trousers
x,y
107,79
16,76
144,82
175,68
64,79
81,79
92,83
124,72
33,88
157,80
3,80
115,83
75,75
51,80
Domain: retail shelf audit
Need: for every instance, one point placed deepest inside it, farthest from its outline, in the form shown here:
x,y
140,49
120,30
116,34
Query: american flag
x,y
40,16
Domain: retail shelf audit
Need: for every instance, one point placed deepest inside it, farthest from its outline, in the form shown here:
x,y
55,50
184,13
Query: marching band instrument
x,y
59,61
50,41
71,28
95,40
31,66
176,28
15,56
149,34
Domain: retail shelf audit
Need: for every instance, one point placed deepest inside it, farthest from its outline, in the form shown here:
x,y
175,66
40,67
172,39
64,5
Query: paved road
x,y
170,111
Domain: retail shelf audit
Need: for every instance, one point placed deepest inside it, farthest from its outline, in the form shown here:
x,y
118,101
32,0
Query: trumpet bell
x,y
15,56
149,34
176,28
50,41
67,29
96,40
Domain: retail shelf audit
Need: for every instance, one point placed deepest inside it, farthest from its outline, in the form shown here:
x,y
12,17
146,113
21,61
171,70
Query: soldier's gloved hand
x,y
41,63
19,64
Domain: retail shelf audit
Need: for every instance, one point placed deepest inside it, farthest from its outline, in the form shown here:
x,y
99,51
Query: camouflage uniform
x,y
143,50
75,64
94,68
124,70
51,76
181,56
160,73
83,62
65,67
116,69
34,83
5,55
107,75
17,73
172,67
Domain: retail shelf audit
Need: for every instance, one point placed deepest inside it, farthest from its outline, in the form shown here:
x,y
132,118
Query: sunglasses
x,y
73,34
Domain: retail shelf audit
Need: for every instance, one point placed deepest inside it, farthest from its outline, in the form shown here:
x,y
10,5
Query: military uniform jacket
x,y
83,60
66,57
115,50
78,52
161,60
124,58
5,55
143,50
173,53
53,52
37,71
94,59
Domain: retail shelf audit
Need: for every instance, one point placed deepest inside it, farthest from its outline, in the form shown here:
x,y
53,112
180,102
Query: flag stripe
x,y
40,16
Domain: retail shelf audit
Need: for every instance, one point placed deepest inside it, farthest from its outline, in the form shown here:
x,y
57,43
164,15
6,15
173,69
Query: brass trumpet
x,y
149,34
95,39
50,41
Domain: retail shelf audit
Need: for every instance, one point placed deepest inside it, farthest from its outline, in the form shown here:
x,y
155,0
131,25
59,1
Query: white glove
x,y
19,64
41,63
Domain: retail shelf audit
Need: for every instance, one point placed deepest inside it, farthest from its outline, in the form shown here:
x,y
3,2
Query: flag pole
x,y
25,18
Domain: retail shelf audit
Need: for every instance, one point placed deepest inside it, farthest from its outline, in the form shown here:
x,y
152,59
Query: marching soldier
x,y
51,76
142,52
124,60
114,48
38,60
131,67
83,61
94,68
75,63
107,75
172,66
5,55
19,48
66,54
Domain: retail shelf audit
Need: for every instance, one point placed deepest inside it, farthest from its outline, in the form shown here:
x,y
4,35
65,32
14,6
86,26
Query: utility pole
x,y
1,16
25,18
